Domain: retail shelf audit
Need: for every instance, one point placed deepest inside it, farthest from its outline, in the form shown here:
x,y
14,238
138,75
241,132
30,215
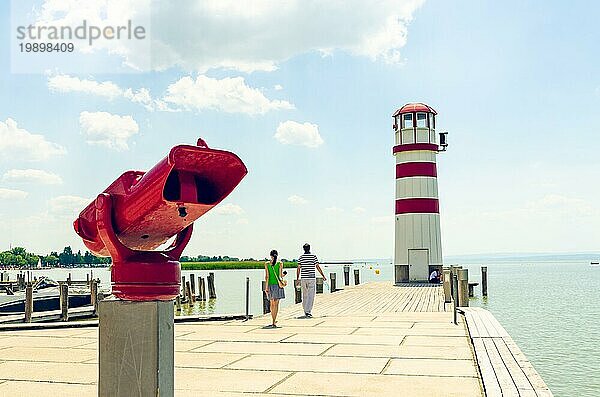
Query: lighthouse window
x,y
431,121
422,120
408,120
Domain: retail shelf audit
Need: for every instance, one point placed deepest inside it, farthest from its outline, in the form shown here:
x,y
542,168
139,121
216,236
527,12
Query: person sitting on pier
x,y
434,277
308,264
274,285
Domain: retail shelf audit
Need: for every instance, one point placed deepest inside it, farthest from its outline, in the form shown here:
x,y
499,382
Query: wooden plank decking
x,y
504,369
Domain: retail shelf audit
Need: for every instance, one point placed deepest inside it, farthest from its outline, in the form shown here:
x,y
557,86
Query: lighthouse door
x,y
418,264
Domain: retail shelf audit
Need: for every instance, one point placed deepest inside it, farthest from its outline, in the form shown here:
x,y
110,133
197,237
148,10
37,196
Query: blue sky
x,y
516,85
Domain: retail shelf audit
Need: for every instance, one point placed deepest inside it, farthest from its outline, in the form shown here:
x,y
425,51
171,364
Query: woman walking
x,y
274,285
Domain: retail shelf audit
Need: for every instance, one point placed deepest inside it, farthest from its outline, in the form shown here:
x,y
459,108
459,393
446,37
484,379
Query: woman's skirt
x,y
276,292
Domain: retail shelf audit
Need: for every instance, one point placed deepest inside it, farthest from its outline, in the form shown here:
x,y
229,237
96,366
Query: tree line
x,y
19,257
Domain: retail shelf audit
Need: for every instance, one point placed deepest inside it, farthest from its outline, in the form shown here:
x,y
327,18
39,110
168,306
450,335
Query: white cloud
x,y
109,130
11,194
359,210
19,144
278,87
297,200
293,133
385,219
64,83
32,176
230,95
67,206
243,36
229,209
334,210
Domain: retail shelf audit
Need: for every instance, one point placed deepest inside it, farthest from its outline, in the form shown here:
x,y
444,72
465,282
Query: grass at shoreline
x,y
229,265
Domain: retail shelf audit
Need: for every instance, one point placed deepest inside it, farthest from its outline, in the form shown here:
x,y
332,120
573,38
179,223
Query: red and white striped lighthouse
x,y
418,245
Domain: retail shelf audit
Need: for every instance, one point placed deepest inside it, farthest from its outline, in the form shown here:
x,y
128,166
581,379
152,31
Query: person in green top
x,y
274,284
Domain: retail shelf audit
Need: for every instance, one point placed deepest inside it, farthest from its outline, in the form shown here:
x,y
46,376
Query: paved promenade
x,y
370,340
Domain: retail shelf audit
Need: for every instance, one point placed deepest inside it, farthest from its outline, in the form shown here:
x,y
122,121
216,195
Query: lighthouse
x,y
418,244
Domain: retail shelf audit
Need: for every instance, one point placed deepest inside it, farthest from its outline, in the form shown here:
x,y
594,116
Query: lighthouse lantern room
x,y
418,245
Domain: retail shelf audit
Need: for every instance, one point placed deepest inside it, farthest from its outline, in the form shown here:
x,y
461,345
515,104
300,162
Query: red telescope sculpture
x,y
140,211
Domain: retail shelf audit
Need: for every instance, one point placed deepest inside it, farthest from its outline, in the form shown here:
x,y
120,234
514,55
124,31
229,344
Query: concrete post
x,y
463,287
28,302
64,301
346,275
484,280
136,348
319,285
356,276
297,292
447,285
332,282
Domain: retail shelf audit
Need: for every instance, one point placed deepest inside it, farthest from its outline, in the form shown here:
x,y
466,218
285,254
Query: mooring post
x,y
178,303
356,276
193,285
94,295
69,279
319,285
247,298
212,294
484,280
183,289
87,278
297,292
188,292
463,287
346,275
447,285
266,303
64,301
332,282
28,302
455,295
202,288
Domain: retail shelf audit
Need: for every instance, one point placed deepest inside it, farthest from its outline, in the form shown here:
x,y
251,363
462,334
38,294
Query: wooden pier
x,y
373,339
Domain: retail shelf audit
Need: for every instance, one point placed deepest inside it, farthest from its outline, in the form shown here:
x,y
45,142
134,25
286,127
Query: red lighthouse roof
x,y
414,107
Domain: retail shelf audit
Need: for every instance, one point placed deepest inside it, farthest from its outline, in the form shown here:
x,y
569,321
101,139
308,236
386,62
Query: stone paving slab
x,y
311,349
352,339
378,385
356,365
44,389
49,372
229,380
45,354
454,341
418,366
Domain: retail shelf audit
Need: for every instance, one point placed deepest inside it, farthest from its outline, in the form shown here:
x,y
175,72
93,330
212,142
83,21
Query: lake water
x,y
551,309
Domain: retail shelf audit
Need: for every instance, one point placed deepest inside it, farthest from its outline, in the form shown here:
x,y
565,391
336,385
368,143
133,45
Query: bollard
x,y
463,287
484,280
64,301
94,295
332,282
319,285
356,276
266,303
212,294
297,292
28,302
447,285
202,288
178,303
346,275
193,285
247,298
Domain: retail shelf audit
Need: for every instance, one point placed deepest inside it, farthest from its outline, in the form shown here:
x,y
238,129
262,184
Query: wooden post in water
x,y
69,279
193,285
356,276
178,303
266,303
319,285
484,280
64,301
454,284
87,278
447,285
94,295
463,287
297,292
201,288
346,275
183,290
28,302
247,298
332,282
212,294
188,293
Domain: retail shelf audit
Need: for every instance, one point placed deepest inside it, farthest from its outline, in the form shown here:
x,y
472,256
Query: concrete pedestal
x,y
136,349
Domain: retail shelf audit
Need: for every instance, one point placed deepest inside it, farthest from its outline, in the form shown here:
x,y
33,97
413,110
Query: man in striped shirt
x,y
308,264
